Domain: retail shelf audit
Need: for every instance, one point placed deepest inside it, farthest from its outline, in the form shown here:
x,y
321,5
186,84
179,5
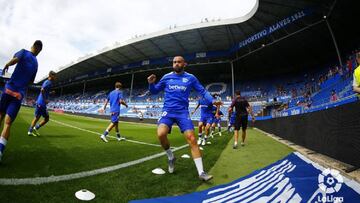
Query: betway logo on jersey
x,y
177,87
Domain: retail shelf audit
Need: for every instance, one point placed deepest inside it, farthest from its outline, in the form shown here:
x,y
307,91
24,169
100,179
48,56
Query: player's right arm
x,y
230,109
155,88
16,58
107,101
13,61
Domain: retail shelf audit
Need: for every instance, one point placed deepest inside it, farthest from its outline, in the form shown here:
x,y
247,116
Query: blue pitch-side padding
x,y
292,179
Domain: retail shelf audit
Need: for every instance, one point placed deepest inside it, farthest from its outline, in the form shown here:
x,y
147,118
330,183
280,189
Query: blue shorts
x,y
115,117
217,121
41,111
181,119
232,120
207,120
10,105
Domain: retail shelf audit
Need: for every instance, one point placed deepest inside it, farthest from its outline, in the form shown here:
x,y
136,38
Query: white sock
x,y
169,154
235,143
3,141
199,165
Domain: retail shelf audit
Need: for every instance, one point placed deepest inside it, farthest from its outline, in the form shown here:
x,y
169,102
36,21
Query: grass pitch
x,y
63,150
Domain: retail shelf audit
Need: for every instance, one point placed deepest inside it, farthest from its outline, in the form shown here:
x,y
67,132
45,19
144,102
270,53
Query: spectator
x,y
333,96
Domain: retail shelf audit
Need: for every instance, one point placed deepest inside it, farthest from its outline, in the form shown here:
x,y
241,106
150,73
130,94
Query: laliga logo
x,y
330,181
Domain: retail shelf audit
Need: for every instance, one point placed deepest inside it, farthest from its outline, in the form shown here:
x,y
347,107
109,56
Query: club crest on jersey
x,y
185,80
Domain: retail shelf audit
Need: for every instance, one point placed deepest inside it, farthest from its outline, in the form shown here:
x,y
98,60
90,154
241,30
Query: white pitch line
x,y
51,179
96,133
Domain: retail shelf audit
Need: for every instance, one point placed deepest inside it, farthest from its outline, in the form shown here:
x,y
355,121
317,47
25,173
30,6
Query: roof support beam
x,y
179,44
202,39
157,47
139,51
124,56
111,59
230,35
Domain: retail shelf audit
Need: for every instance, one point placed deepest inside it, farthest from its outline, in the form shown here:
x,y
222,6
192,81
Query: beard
x,y
178,69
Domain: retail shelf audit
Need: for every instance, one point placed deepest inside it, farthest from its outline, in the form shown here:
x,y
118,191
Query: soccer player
x,y
356,82
177,86
242,109
14,90
116,99
231,121
41,102
206,119
217,122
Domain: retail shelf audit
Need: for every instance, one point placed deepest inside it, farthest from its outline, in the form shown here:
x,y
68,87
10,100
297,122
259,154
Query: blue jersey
x,y
24,73
41,100
206,107
177,89
114,99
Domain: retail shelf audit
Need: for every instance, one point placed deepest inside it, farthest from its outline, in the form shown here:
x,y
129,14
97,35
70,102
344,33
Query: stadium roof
x,y
210,35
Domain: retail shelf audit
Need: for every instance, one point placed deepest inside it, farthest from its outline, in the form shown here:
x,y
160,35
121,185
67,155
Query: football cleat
x,y
172,165
103,138
205,177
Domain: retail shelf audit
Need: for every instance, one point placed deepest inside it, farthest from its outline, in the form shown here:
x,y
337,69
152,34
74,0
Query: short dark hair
x,y
237,92
118,85
38,45
52,73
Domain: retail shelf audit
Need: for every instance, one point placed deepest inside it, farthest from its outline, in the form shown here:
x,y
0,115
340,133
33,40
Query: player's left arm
x,y
123,103
204,93
250,111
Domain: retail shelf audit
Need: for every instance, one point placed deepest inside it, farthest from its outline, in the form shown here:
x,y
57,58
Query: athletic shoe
x,y
121,138
211,135
203,143
242,144
103,138
35,132
205,177
235,146
172,165
220,134
32,134
199,141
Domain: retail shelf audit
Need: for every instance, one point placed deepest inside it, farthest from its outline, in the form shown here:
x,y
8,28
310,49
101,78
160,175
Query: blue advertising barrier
x,y
292,179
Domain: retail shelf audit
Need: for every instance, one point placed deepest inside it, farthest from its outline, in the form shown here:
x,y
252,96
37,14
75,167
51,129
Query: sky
x,y
71,29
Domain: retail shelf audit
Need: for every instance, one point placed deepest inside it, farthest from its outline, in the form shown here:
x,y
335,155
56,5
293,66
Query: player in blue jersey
x,y
217,122
40,109
14,90
177,86
206,119
231,121
115,98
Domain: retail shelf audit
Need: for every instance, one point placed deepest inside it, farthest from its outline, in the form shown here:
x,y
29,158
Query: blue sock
x,y
106,133
2,148
37,127
30,129
3,142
